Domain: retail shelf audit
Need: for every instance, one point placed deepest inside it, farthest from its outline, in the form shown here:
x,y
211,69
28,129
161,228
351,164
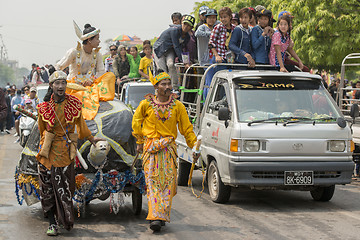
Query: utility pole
x,y
3,51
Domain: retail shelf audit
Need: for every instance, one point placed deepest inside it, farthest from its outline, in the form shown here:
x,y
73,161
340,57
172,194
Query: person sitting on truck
x,y
146,62
176,19
203,35
261,36
240,39
169,46
219,45
280,44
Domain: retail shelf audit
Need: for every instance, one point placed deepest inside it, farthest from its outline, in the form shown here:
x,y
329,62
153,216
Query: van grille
x,y
317,174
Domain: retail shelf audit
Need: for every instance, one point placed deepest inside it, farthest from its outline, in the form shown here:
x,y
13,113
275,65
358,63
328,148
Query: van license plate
x,y
299,178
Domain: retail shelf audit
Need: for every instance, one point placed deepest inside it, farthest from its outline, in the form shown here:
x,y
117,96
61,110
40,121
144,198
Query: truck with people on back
x,y
265,129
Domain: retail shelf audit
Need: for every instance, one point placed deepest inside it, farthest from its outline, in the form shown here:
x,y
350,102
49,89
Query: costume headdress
x,y
87,35
158,78
57,75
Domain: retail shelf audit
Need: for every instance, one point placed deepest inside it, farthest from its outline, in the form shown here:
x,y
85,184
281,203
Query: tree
x,y
324,32
7,75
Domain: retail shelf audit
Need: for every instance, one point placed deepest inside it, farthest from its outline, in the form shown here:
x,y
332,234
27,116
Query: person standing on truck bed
x,y
155,125
219,44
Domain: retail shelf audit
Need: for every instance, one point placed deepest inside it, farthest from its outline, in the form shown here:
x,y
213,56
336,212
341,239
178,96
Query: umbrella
x,y
123,38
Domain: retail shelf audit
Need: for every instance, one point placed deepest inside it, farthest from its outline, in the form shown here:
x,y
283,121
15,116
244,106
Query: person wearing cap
x,y
57,150
37,77
202,12
169,46
203,35
155,125
86,68
235,19
261,37
253,19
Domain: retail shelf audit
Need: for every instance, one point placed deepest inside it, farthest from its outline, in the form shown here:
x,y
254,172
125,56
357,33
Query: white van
x,y
268,130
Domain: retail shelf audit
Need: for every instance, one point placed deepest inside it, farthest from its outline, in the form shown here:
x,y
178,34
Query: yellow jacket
x,y
153,119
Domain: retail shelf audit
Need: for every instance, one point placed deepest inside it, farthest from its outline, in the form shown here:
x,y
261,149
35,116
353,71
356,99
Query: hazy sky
x,y
42,31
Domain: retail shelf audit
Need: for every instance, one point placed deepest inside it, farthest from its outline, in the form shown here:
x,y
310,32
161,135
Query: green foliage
x,y
7,75
324,32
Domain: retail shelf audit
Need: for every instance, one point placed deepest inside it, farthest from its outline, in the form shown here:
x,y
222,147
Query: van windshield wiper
x,y
270,119
298,119
324,119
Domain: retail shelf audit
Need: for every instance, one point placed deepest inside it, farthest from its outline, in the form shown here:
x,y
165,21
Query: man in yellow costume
x,y
87,77
155,126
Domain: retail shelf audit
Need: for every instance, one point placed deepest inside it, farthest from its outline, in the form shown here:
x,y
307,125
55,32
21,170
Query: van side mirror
x,y
224,113
354,110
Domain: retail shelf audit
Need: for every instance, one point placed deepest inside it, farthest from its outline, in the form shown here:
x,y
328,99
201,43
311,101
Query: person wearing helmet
x,y
202,12
203,35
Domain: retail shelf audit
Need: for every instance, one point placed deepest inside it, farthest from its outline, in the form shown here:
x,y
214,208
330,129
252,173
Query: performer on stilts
x,y
155,125
86,68
58,116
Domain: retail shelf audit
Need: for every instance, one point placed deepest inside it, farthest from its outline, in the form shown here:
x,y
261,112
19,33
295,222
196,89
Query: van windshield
x,y
137,93
276,98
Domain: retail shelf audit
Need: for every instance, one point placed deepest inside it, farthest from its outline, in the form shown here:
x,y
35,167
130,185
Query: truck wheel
x,y
219,192
323,194
136,198
184,170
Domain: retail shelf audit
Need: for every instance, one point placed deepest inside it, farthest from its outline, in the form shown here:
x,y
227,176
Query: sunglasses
x,y
113,49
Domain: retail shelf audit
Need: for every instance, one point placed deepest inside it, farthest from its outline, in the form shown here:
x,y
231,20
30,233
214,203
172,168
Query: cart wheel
x,y
136,201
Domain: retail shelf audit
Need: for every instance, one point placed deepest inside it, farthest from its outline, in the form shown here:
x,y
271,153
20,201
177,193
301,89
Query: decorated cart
x,y
114,176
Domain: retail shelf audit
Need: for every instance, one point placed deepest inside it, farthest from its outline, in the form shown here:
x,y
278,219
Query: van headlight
x,y
337,146
251,145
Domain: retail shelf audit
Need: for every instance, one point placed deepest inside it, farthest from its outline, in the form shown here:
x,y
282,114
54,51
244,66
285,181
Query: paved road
x,y
248,215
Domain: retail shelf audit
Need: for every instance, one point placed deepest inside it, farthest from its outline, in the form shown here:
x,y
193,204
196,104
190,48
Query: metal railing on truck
x,y
346,103
192,98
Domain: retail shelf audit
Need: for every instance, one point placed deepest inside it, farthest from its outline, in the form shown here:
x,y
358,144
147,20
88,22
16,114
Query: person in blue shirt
x,y
240,43
261,37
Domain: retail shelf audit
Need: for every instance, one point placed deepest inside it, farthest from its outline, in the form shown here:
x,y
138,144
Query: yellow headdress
x,y
158,78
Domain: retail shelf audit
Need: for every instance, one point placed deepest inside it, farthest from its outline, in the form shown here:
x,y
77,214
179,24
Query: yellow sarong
x,y
159,162
103,89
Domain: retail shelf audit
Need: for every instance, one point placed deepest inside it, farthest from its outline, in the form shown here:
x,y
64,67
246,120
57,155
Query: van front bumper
x,y
271,174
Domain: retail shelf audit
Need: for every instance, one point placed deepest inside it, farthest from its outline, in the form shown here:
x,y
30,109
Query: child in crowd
x,y
176,18
203,35
280,44
261,37
220,35
240,39
145,42
235,19
146,62
218,43
253,18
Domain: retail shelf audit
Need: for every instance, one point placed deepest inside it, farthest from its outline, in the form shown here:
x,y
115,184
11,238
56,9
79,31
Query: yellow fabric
x,y
146,124
145,64
103,89
159,157
159,162
59,152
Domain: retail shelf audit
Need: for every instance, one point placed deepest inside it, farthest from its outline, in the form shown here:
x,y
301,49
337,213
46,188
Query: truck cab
x,y
270,130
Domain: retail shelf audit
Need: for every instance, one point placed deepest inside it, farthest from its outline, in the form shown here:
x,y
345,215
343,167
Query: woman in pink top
x,y
280,44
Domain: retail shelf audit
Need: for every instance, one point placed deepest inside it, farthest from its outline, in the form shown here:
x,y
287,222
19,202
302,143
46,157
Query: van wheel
x,y
184,171
323,194
219,192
